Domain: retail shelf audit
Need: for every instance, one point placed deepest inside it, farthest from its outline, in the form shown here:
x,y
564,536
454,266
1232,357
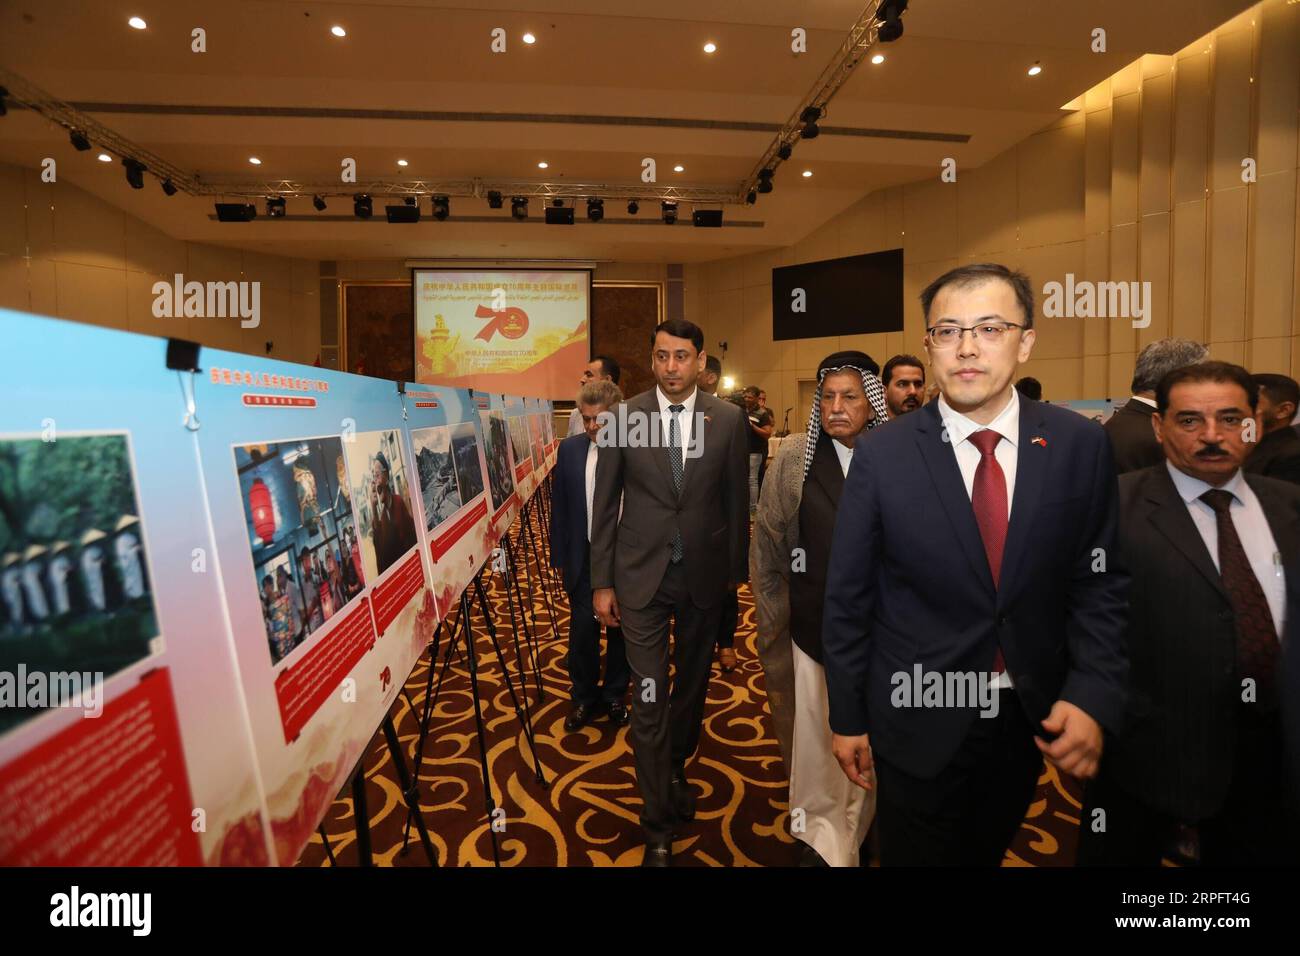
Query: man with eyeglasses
x,y
966,551
1213,553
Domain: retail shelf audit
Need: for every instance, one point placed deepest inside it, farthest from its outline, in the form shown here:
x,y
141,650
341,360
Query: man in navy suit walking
x,y
571,499
974,607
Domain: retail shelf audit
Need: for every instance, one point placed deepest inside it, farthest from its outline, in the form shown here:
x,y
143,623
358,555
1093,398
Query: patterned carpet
x,y
587,816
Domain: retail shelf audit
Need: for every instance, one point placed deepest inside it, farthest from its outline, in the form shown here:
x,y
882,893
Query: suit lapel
x,y
1031,476
699,433
658,446
826,471
941,462
1170,516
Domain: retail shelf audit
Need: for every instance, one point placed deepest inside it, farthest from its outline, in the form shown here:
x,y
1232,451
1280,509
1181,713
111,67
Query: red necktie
x,y
989,499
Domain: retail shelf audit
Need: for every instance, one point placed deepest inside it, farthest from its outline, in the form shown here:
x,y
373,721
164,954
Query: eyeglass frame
x,y
1006,327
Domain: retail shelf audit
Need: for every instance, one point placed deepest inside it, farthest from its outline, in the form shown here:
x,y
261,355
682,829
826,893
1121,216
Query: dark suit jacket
x,y
1290,681
909,583
1131,437
1277,455
817,506
1176,753
631,554
569,547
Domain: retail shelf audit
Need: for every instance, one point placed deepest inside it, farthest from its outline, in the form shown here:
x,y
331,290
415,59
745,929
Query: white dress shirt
x,y
1252,528
960,428
575,422
685,419
1144,401
845,455
591,484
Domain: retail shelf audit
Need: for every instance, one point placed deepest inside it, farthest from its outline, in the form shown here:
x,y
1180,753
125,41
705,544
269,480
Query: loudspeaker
x,y
707,217
236,212
559,217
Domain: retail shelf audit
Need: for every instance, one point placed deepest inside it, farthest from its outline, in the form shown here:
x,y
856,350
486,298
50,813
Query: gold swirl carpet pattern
x,y
587,813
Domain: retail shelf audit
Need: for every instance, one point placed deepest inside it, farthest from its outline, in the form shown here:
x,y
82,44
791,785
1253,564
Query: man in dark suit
x,y
675,457
1277,450
571,497
1131,437
1208,548
973,555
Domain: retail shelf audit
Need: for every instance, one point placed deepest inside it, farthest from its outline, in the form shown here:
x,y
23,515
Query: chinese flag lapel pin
x,y
1038,440
708,418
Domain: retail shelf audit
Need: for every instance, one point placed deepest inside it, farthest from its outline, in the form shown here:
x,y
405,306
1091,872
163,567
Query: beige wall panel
x,y
1123,268
13,214
1096,172
1191,128
875,344
274,272
139,308
1096,268
1187,280
43,287
756,269
915,278
756,320
1154,259
41,199
810,352
13,283
88,231
1125,159
277,324
1155,65
1098,98
1060,377
822,243
1050,174
1058,337
1157,129
1232,96
986,207
1094,382
306,275
1273,228
1227,255
863,228
1127,80
1120,367
1269,355
91,294
213,264
152,251
728,274
930,220
306,331
1278,84
893,211
1234,352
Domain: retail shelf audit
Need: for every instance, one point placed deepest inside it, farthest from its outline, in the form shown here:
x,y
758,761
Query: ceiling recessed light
x,y
807,173
710,47
254,160
136,23
529,38
401,162
338,31
679,169
1035,70
105,158
543,165
878,59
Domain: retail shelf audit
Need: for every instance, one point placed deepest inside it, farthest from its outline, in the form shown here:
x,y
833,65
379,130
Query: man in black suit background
x,y
572,492
1209,548
676,458
1277,450
966,549
1131,437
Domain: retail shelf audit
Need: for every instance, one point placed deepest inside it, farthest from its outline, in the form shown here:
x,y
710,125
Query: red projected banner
x,y
522,332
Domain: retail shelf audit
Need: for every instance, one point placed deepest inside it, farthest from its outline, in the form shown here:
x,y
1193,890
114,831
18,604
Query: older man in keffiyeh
x,y
788,563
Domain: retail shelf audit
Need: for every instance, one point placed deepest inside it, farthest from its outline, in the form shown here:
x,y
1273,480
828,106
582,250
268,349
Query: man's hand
x,y
1077,749
605,604
854,755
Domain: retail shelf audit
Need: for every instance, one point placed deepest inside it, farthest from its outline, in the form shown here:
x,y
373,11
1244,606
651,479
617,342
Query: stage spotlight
x,y
441,207
318,202
711,218
889,17
519,207
810,116
134,172
4,92
168,187
275,207
785,151
669,210
411,201
595,209
403,213
765,180
633,207
236,212
751,197
494,199
362,207
559,215
557,203
79,141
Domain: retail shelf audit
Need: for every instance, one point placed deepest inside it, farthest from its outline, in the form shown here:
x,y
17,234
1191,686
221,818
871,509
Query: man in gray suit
x,y
675,458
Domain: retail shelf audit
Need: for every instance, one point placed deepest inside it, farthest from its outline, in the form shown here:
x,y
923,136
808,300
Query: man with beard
x,y
392,526
904,380
788,561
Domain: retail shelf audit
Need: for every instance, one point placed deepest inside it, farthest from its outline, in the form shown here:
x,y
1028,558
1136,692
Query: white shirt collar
x,y
845,455
689,401
1145,401
1007,423
1190,489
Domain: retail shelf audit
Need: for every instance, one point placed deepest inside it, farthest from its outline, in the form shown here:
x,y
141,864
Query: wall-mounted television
x,y
848,296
